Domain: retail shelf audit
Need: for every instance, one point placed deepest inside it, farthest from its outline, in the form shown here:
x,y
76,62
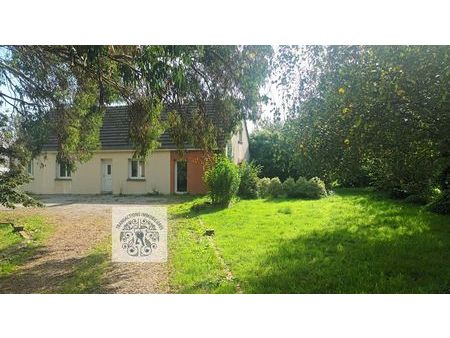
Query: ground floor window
x,y
64,170
136,169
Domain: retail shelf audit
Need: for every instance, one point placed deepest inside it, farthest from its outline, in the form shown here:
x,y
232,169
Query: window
x,y
229,151
30,168
240,136
136,169
64,171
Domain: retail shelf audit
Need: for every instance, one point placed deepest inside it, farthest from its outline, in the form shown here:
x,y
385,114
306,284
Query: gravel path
x,y
82,222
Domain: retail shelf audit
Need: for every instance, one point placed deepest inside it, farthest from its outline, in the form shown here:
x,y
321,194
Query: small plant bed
x,y
353,241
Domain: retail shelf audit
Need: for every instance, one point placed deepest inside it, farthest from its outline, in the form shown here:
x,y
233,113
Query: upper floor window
x,y
64,170
136,169
240,136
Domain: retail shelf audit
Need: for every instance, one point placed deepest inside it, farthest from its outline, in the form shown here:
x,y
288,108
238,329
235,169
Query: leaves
x,y
66,89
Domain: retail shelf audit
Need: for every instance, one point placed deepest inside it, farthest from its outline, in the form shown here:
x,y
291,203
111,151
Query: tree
x,y
66,88
268,149
373,114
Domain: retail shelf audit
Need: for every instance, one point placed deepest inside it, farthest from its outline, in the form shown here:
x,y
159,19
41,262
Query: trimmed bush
x,y
314,188
275,187
222,180
263,187
290,187
302,188
248,188
318,187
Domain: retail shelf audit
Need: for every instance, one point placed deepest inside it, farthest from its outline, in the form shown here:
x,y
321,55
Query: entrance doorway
x,y
181,177
107,176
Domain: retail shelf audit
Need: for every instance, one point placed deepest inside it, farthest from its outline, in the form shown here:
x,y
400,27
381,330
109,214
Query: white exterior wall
x,y
87,179
240,150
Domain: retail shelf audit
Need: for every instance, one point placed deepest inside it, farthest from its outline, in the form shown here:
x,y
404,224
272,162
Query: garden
x,y
347,188
298,237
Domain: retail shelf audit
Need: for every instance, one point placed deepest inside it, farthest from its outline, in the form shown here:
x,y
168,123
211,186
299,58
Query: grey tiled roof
x,y
114,133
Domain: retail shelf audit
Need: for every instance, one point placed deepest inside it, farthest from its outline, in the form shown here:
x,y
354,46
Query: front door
x,y
106,176
181,177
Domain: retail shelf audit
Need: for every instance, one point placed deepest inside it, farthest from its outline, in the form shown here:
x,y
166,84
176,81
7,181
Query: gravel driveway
x,y
81,222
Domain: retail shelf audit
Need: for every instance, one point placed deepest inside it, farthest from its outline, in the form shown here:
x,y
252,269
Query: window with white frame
x,y
136,169
30,168
229,151
64,171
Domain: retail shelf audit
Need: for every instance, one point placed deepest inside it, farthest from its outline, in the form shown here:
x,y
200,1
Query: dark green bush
x,y
275,187
318,187
248,188
263,187
416,199
222,180
302,188
290,187
442,204
314,188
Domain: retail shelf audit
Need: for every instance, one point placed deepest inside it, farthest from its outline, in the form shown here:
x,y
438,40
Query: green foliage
x,y
248,187
222,180
442,204
145,125
13,159
275,187
269,150
319,186
303,188
370,115
290,187
263,187
314,188
66,88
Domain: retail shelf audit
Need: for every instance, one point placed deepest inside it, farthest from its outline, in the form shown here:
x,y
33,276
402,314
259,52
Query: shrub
x,y
248,188
416,199
442,204
275,187
222,180
302,188
263,187
314,188
318,187
290,187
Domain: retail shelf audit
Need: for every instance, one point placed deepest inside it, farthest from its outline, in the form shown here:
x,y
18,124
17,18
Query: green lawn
x,y
352,242
14,250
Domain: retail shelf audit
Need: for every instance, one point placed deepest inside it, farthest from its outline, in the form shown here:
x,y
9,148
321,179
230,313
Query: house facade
x,y
112,169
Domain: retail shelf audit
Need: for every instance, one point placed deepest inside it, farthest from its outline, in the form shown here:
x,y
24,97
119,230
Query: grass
x,y
15,250
87,276
352,242
196,267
